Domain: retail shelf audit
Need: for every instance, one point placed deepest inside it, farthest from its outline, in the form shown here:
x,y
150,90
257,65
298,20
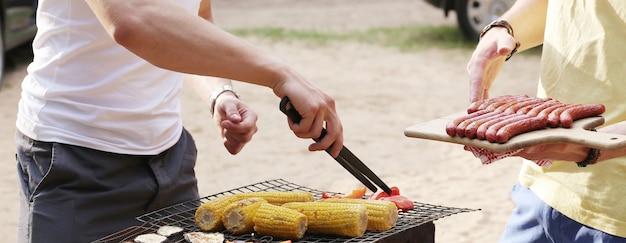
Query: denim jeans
x,y
76,194
534,221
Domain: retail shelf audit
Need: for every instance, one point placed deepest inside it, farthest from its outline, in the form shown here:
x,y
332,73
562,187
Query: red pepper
x,y
402,202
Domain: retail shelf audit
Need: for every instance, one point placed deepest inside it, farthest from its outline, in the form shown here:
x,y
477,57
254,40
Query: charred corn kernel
x,y
381,215
345,219
279,222
238,215
208,216
279,197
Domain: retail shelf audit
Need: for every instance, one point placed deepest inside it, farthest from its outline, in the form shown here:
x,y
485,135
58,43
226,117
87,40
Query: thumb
x,y
232,113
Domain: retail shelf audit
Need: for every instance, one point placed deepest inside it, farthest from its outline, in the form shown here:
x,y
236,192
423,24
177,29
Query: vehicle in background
x,y
17,26
473,15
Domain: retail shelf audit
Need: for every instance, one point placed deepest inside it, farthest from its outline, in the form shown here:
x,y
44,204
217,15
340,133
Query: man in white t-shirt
x,y
99,133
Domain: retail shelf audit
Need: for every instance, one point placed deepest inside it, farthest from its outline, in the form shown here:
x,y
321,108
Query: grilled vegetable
x,y
402,202
201,237
209,215
150,238
237,217
382,215
345,219
279,222
356,193
168,230
279,197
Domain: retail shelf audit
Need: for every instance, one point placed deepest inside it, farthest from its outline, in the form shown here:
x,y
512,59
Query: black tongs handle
x,y
345,158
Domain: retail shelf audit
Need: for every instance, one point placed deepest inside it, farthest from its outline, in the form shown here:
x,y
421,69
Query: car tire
x,y
473,15
2,55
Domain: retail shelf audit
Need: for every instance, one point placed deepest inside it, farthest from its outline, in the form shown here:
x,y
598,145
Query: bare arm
x,y
201,48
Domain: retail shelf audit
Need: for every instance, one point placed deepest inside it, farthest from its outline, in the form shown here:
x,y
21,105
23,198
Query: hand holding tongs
x,y
346,159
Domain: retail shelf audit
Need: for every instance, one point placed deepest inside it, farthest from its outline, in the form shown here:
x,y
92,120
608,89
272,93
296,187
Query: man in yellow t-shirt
x,y
582,62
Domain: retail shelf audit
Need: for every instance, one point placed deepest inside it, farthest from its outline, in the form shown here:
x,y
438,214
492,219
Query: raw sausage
x,y
472,129
568,116
452,125
460,129
491,132
520,126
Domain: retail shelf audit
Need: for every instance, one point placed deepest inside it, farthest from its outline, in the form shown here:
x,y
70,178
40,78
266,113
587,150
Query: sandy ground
x,y
379,93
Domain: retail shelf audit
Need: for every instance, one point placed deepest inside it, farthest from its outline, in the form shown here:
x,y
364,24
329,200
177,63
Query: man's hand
x,y
235,121
487,60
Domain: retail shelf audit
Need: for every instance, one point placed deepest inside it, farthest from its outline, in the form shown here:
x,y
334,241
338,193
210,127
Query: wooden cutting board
x,y
578,134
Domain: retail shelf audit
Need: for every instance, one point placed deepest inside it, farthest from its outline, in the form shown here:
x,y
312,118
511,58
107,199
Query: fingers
x,y
486,62
237,124
562,151
318,114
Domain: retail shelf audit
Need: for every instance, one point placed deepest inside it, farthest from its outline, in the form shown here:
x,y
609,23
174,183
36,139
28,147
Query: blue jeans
x,y
532,220
77,194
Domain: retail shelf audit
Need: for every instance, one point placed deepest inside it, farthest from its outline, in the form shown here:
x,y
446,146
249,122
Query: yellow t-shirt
x,y
584,61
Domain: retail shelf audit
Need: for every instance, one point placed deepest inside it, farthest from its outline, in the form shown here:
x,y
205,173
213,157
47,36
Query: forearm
x,y
159,33
205,86
528,19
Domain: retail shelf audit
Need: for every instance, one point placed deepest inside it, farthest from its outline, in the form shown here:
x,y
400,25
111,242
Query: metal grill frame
x,y
182,215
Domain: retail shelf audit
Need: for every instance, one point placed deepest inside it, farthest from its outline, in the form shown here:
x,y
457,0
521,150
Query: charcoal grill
x,y
182,215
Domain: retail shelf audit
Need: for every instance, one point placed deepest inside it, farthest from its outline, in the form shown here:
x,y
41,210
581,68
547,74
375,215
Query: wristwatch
x,y
218,92
498,23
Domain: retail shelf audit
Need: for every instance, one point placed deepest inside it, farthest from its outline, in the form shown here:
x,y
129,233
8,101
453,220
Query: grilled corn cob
x,y
209,215
381,215
279,197
237,217
279,222
346,219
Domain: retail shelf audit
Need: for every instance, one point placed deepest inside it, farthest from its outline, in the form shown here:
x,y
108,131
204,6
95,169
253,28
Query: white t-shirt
x,y
84,89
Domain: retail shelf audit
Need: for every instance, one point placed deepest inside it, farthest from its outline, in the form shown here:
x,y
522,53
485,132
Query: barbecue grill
x,y
182,215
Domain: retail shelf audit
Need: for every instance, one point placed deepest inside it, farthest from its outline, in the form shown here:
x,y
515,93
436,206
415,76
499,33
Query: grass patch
x,y
404,38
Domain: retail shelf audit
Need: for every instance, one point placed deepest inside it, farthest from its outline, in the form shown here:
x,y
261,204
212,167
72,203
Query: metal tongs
x,y
346,158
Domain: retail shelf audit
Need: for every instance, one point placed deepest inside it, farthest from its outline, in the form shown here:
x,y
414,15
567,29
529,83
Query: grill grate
x,y
182,215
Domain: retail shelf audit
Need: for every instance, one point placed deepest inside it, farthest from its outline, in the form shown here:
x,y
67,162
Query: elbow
x,y
126,32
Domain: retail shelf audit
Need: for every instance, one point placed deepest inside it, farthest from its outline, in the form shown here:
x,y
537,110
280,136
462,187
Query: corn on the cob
x,y
279,222
209,215
346,219
237,217
279,197
382,215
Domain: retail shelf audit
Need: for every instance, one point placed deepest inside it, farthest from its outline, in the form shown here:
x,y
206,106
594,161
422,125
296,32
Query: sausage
x,y
573,113
460,129
524,107
554,118
546,112
482,129
471,131
520,126
491,132
505,103
483,104
452,125
541,107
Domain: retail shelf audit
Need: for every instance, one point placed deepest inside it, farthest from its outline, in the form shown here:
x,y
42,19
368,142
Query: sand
x,y
379,92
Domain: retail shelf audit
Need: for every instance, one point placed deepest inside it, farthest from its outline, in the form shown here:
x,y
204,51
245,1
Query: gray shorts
x,y
77,194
